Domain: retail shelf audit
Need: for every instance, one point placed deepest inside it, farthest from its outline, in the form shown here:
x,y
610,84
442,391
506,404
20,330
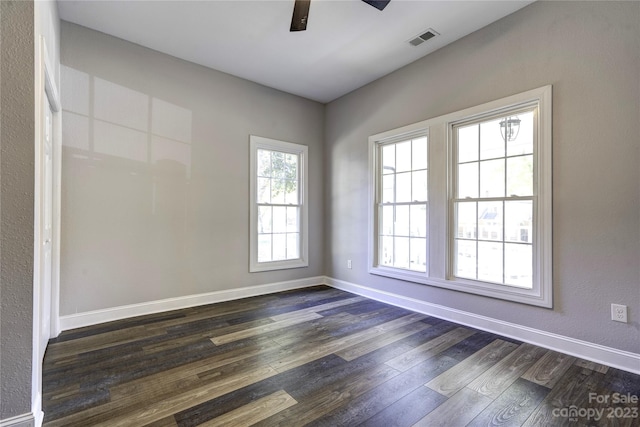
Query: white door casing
x,y
46,220
46,226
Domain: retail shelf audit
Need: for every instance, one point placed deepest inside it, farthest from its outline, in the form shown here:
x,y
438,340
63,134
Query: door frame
x,y
46,89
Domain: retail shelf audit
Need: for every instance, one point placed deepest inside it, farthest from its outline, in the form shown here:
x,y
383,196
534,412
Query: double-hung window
x,y
402,203
278,238
494,200
485,227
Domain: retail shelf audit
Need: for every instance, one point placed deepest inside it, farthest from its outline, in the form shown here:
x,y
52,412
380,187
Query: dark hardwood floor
x,y
322,357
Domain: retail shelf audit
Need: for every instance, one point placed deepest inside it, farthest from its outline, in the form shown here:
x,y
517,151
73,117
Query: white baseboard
x,y
597,353
594,352
36,408
95,317
24,420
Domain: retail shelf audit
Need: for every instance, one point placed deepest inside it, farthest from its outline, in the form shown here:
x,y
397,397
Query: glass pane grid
x,y
402,207
278,204
493,208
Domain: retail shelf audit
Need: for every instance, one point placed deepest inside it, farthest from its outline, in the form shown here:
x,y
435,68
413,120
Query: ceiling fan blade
x,y
378,4
300,15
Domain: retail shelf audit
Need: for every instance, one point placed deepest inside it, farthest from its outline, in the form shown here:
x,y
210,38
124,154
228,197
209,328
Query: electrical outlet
x,y
619,313
349,264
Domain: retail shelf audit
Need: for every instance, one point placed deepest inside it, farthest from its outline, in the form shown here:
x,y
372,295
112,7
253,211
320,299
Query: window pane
x,y
277,164
291,192
403,156
518,265
277,190
490,220
418,258
466,220
291,166
518,221
388,158
468,143
403,187
523,144
465,259
492,178
264,163
264,247
279,246
490,262
419,186
491,140
419,153
264,219
388,188
401,252
386,251
264,190
387,220
293,245
279,219
402,221
292,219
468,180
520,176
418,220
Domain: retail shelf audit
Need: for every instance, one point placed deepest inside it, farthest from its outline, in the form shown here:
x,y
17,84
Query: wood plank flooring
x,y
320,357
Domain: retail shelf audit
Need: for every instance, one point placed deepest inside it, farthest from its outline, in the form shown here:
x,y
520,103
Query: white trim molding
x,y
24,420
95,317
257,143
620,359
443,199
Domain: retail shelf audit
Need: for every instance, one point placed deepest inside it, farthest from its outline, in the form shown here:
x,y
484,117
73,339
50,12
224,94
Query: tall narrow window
x,y
495,198
278,208
401,200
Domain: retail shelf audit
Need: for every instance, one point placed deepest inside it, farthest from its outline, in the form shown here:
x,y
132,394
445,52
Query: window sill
x,y
520,295
278,265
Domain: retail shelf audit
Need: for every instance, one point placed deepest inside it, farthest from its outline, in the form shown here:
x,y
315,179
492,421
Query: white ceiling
x,y
347,43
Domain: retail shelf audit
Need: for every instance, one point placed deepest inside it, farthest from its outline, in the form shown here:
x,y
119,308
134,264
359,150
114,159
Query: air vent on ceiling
x,y
418,40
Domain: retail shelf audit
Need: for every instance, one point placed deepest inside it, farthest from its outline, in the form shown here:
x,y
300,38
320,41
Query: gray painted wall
x,y
590,53
17,135
155,173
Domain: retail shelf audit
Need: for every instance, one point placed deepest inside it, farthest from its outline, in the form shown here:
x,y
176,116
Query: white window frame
x,y
374,150
256,143
440,220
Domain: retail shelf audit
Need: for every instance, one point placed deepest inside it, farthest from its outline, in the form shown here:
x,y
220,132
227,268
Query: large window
x,y
278,208
402,203
495,198
486,227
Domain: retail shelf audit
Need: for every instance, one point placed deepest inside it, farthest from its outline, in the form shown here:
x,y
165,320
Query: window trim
x,y
256,143
375,146
440,131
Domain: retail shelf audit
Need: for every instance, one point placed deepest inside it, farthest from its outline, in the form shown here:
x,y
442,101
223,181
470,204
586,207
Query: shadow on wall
x,y
126,174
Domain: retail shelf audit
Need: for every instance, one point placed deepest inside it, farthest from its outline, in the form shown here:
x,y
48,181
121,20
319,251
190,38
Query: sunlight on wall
x,y
126,161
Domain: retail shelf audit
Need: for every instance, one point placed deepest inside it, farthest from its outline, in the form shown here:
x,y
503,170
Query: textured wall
x,y
155,173
590,53
16,205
